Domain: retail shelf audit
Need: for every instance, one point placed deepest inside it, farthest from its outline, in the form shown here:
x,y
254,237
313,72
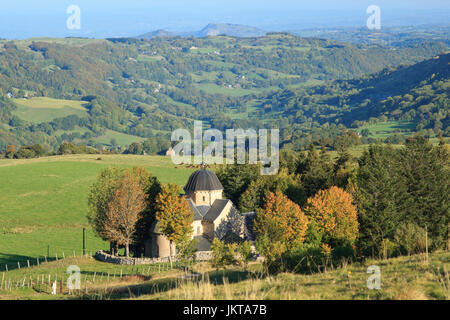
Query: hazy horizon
x,y
114,18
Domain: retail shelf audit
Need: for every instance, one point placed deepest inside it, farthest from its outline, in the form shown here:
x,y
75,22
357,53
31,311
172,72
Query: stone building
x,y
214,217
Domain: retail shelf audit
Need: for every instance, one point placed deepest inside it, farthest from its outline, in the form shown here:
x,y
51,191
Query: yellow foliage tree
x,y
334,213
281,220
174,214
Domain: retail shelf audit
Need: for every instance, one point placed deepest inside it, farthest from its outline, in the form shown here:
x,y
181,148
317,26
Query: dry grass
x,y
404,278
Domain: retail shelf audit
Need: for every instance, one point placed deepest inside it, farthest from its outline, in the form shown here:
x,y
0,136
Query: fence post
x,y
18,264
28,263
426,241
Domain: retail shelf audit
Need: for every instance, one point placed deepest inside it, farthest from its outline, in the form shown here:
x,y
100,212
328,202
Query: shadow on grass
x,y
14,261
156,286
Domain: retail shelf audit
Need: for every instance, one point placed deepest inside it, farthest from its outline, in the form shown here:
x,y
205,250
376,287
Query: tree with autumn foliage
x,y
334,215
281,220
125,210
174,214
100,196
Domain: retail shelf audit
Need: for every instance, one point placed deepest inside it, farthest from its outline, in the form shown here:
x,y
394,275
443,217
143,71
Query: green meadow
x,y
43,202
42,109
385,129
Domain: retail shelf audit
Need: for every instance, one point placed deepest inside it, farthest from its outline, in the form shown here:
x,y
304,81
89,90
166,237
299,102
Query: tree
x,y
235,179
281,220
174,214
113,142
186,249
377,190
223,254
135,148
100,196
245,253
152,187
315,170
124,211
426,176
10,151
410,238
255,194
334,215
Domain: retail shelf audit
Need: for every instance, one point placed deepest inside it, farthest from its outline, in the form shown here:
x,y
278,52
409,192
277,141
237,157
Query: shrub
x,y
245,253
410,238
224,254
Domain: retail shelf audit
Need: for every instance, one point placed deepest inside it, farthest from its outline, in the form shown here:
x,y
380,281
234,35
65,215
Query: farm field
x,y
121,138
415,277
42,109
385,129
44,202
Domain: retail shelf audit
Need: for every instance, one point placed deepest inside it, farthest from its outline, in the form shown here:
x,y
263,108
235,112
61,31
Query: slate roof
x,y
199,211
216,209
203,180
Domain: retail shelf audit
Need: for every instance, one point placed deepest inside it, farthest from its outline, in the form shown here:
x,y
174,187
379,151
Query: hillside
x,y
210,30
157,34
146,88
416,94
232,30
404,278
392,36
43,202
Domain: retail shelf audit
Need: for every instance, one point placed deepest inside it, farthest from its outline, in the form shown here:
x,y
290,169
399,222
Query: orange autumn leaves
x,y
125,210
174,213
281,220
332,211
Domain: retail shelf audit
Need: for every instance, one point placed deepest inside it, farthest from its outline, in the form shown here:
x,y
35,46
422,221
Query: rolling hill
x,y
145,88
232,30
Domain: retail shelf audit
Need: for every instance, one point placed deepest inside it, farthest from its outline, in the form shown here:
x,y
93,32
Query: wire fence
x,y
45,282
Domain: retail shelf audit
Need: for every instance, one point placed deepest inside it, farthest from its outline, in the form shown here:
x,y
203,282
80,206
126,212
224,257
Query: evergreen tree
x,y
378,189
425,173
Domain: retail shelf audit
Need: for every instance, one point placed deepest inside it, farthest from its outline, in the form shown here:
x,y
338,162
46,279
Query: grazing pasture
x,y
43,202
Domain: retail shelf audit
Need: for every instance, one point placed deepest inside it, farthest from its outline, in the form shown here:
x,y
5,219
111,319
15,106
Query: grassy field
x,y
43,202
385,129
411,278
42,109
121,138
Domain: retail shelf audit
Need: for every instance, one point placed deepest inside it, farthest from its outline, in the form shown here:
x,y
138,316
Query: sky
x,y
21,19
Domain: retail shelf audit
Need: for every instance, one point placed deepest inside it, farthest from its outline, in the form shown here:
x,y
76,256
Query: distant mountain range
x,y
212,29
392,36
